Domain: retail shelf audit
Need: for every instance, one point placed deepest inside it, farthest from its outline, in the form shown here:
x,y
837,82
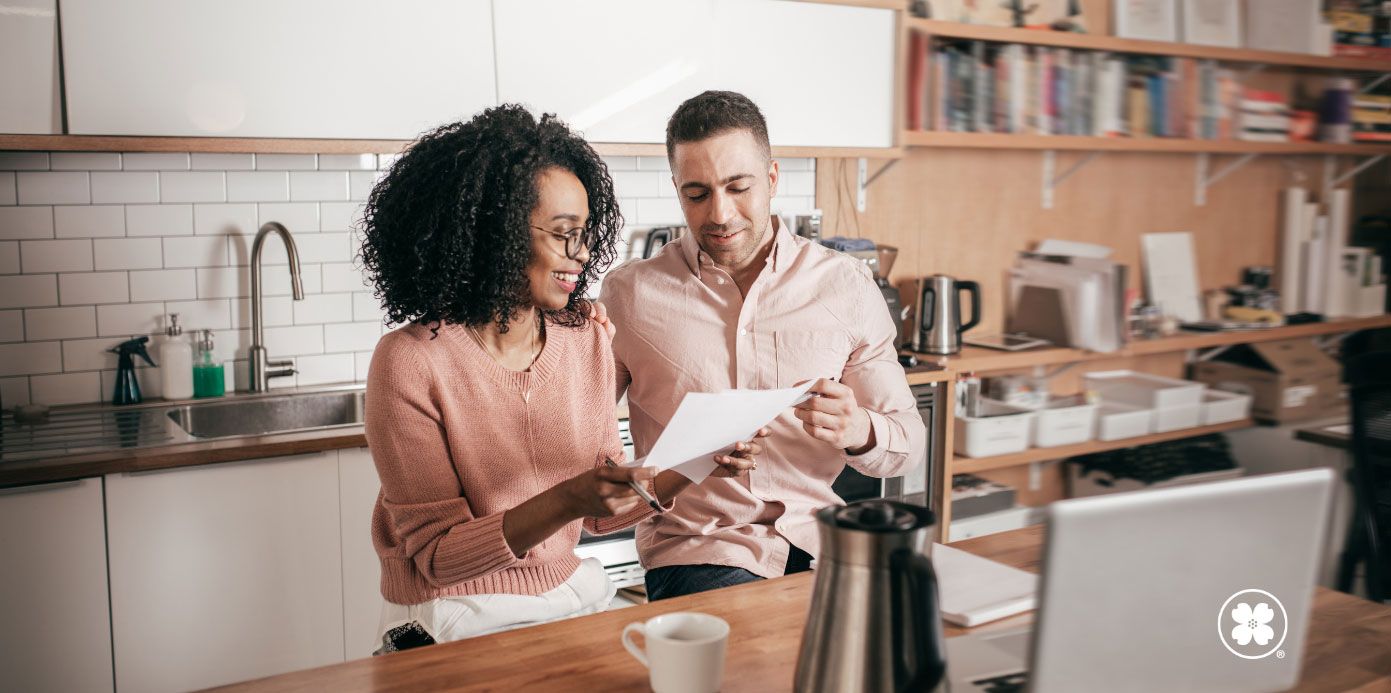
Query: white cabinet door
x,y
362,572
56,632
29,68
616,69
269,68
225,572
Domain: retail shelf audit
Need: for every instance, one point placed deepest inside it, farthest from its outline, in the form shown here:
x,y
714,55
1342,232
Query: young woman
x,y
490,412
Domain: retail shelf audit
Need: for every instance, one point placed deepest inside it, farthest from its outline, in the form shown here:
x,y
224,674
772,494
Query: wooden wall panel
x,y
967,212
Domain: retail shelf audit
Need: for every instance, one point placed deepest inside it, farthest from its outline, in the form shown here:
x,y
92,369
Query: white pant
x,y
588,591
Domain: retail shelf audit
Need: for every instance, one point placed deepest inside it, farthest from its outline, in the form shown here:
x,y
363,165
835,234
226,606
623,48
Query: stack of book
x,y
1371,118
978,86
1264,116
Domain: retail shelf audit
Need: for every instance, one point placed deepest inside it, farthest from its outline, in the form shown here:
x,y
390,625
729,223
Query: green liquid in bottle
x,y
208,380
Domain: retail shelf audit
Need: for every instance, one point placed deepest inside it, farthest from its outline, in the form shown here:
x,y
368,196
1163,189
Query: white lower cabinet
x,y
225,572
55,627
362,572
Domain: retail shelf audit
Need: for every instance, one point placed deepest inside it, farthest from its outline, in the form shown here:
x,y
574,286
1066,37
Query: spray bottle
x,y
127,387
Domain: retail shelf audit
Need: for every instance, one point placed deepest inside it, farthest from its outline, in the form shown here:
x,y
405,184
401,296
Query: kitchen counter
x,y
1346,648
95,439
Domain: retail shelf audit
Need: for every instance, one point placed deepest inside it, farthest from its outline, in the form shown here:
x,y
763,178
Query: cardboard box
x,y
1288,380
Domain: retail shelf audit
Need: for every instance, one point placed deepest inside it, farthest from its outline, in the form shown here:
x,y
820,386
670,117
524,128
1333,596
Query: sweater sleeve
x,y
429,514
613,448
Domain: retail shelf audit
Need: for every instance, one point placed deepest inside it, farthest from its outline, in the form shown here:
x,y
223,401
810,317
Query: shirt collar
x,y
777,257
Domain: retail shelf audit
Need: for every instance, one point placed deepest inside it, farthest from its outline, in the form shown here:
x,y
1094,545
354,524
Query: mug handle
x,y
632,648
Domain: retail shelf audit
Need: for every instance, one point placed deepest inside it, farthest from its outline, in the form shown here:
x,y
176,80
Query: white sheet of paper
x,y
710,423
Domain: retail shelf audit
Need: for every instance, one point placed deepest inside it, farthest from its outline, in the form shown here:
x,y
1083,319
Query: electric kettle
x,y
874,623
937,325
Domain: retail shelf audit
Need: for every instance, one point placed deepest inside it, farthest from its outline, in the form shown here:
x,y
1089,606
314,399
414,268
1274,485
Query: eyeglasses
x,y
575,239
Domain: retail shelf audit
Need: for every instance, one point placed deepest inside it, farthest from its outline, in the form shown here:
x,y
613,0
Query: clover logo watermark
x,y
1248,624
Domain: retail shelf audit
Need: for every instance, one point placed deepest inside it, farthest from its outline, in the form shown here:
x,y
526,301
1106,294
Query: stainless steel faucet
x,y
260,362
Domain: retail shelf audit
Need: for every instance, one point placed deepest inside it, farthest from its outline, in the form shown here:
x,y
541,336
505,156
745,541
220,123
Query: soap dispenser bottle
x,y
208,380
176,359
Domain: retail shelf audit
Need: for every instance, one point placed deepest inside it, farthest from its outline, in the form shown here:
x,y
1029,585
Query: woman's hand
x,y
745,457
600,315
604,491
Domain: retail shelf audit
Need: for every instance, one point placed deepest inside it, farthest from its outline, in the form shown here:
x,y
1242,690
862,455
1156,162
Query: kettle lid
x,y
881,516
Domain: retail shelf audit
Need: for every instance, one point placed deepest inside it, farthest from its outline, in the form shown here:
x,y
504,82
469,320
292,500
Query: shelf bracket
x,y
861,182
1370,162
1368,87
1203,180
1039,372
880,172
1050,164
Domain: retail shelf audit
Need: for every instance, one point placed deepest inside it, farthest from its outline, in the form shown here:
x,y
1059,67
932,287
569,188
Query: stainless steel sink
x,y
274,414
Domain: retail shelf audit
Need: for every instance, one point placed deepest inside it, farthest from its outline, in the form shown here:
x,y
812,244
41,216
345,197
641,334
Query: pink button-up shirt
x,y
682,326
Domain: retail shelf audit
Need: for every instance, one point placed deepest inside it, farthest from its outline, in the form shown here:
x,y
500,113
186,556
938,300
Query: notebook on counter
x,y
975,590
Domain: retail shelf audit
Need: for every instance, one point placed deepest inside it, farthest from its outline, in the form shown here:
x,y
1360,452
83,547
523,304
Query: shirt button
x,y
719,280
743,331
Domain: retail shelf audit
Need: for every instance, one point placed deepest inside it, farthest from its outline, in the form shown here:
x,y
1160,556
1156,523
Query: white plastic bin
x,y
1000,430
1220,406
1177,417
1115,421
1145,390
1064,421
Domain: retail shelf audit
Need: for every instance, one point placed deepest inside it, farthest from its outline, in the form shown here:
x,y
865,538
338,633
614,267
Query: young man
x,y
740,302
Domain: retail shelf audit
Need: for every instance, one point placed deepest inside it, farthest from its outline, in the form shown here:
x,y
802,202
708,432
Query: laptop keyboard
x,y
1008,683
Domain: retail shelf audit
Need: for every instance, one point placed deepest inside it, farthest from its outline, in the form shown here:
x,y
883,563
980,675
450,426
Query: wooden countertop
x,y
1346,650
50,469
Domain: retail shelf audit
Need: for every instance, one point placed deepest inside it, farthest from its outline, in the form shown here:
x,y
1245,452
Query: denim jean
x,y
677,580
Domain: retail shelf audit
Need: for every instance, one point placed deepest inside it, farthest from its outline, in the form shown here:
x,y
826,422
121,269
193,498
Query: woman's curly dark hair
x,y
447,231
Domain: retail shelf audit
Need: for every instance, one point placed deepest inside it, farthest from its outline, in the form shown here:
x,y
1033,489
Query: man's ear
x,y
772,178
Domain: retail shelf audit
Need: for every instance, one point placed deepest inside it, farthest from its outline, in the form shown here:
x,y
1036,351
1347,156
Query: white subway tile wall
x,y
96,247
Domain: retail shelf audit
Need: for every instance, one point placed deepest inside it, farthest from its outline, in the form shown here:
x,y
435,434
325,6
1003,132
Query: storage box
x,y
1288,380
1097,482
1144,390
1064,421
999,521
971,496
1115,421
1178,417
1001,429
1223,407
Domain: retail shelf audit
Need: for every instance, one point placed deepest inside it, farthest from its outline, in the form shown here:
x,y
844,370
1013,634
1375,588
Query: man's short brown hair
x,y
713,112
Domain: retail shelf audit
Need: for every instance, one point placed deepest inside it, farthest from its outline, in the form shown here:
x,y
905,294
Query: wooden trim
x,y
981,140
260,145
931,374
872,4
1064,39
967,465
947,437
981,360
272,145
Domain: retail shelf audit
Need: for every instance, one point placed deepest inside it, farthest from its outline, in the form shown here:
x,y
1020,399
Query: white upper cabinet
x,y
29,68
270,68
616,69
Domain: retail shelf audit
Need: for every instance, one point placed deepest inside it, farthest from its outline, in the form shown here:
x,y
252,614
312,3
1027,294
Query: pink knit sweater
x,y
458,440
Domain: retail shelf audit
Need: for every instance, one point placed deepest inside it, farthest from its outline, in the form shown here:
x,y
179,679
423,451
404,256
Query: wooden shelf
x,y
981,140
272,145
978,359
968,465
1064,39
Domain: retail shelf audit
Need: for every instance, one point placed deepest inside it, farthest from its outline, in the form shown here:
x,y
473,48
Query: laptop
x,y
1191,588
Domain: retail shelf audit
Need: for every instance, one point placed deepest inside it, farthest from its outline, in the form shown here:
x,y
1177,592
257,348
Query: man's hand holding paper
x,y
708,425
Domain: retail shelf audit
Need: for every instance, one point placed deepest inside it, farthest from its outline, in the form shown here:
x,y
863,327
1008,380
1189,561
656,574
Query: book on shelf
x,y
971,85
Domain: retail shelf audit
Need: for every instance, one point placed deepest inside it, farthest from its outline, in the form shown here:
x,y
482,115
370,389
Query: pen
x,y
642,492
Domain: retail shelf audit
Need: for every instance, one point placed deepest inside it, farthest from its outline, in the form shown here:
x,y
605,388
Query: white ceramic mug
x,y
684,651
